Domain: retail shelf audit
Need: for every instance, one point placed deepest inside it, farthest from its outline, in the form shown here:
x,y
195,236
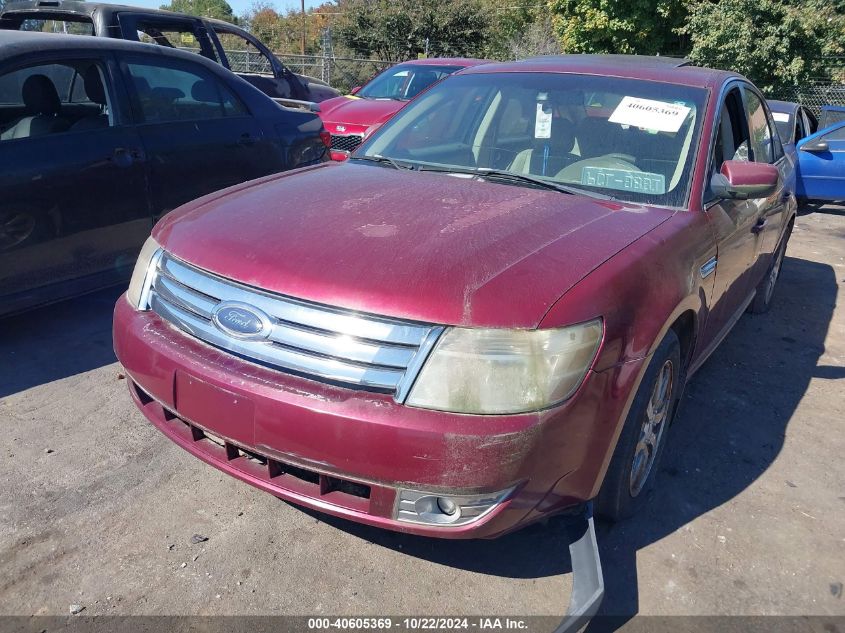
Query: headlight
x,y
145,264
489,371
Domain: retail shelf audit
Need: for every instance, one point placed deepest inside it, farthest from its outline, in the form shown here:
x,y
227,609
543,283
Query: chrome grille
x,y
320,342
346,142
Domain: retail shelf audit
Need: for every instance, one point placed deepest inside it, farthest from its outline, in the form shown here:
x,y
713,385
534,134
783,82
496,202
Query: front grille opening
x,y
300,473
346,143
142,395
273,468
348,487
253,457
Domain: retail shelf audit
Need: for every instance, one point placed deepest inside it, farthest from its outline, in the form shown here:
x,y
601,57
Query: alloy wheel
x,y
652,428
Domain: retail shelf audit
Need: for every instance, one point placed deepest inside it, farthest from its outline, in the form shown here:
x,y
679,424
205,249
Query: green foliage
x,y
615,26
775,43
395,30
218,9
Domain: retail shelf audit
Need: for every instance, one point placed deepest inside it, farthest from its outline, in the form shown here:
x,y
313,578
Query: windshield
x,y
631,139
405,81
829,117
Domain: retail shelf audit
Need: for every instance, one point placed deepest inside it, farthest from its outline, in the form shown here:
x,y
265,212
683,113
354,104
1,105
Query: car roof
x,y
834,108
81,8
654,68
17,43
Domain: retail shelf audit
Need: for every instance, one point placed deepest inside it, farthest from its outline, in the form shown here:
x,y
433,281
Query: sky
x,y
239,7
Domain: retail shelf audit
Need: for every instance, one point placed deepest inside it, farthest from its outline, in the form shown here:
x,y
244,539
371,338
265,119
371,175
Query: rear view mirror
x,y
739,180
355,90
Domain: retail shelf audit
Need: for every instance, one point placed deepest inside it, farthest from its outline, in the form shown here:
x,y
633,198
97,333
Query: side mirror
x,y
816,145
355,90
739,180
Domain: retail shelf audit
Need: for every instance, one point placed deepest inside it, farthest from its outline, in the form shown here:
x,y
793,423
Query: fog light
x,y
446,505
415,506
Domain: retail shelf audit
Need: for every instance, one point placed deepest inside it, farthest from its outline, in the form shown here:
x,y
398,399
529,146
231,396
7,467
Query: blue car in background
x,y
821,164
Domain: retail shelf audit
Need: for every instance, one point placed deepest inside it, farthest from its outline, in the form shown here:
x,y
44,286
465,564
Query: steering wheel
x,y
626,157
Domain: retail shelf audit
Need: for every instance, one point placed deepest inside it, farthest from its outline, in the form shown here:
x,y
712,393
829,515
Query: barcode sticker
x,y
650,114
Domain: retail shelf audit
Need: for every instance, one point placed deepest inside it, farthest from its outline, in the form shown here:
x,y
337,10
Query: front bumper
x,y
349,453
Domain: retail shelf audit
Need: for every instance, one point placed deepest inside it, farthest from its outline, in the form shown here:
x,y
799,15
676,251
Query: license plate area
x,y
224,413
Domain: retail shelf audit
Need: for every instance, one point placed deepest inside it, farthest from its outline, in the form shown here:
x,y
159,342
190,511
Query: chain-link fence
x,y
342,73
817,92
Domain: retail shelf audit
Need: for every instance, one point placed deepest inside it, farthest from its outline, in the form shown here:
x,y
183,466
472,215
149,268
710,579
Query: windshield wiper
x,y
384,160
501,174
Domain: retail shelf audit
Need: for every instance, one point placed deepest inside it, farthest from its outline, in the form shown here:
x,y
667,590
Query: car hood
x,y
350,110
424,246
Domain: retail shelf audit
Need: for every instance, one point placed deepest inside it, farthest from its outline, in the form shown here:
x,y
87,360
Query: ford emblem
x,y
241,320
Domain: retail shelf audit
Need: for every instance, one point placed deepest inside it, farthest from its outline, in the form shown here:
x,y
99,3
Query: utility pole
x,y
302,41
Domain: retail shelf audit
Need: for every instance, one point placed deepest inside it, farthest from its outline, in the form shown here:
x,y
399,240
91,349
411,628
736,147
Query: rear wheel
x,y
633,468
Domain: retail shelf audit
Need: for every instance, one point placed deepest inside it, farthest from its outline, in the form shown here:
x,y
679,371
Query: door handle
x,y
246,139
124,157
758,227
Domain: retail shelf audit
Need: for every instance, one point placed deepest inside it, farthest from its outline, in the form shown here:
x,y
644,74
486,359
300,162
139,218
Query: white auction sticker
x,y
543,123
781,117
649,114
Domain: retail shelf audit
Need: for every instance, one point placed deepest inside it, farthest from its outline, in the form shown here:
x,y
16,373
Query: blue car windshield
x,y
631,139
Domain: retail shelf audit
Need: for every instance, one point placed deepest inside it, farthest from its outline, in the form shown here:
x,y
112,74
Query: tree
x,y
396,30
645,27
218,9
777,44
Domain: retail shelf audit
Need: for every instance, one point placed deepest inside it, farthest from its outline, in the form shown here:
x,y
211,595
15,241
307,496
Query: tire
x,y
628,483
766,288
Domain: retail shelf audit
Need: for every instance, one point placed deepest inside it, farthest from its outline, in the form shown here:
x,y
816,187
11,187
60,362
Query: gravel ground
x,y
99,510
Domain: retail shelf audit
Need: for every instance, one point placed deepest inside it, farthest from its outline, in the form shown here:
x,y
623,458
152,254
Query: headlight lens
x,y
492,371
139,276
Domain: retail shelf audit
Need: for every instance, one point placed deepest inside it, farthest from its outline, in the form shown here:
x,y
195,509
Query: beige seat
x,y
537,161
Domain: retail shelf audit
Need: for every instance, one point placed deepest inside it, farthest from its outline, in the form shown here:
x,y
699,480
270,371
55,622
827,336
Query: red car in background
x,y
349,117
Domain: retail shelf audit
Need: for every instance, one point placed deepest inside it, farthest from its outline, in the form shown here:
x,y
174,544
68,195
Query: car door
x,y
821,164
736,224
197,133
74,210
244,55
766,148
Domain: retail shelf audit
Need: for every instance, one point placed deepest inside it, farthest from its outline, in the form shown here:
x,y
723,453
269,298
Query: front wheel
x,y
633,468
766,288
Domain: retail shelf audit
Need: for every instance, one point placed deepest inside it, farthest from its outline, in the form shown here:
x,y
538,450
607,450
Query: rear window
x,y
66,25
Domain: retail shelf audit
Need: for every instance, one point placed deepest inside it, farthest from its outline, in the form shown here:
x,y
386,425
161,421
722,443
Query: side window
x,y
763,148
43,99
731,133
176,92
836,135
243,55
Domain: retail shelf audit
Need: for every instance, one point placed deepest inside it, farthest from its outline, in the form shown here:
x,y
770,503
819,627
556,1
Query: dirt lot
x,y
98,509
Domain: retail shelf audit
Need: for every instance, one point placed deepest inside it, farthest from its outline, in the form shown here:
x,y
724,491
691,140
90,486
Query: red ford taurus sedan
x,y
487,315
350,117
